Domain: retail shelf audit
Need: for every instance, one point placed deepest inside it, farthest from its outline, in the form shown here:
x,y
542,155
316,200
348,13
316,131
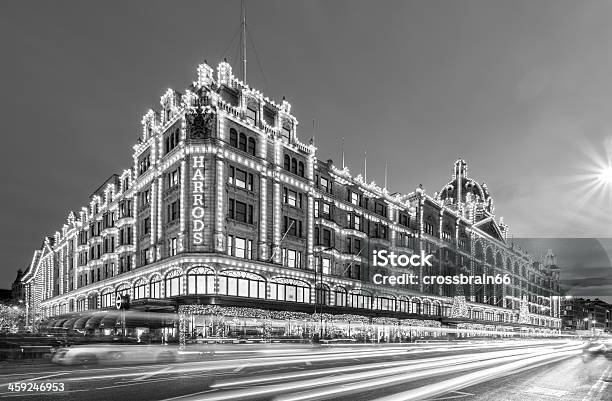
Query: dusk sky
x,y
520,89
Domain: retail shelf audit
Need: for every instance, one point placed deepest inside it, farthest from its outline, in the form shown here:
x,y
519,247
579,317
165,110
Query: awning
x,y
69,323
94,321
58,323
80,323
109,321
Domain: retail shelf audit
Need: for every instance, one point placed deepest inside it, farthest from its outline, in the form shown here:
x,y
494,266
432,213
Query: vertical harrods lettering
x,y
197,210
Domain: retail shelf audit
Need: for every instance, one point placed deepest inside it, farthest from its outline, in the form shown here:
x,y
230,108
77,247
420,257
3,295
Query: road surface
x,y
495,371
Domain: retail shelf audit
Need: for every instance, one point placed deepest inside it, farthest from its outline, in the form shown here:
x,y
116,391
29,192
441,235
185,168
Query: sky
x,y
521,90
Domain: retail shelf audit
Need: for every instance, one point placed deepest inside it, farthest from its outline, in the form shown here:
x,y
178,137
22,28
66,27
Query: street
x,y
511,370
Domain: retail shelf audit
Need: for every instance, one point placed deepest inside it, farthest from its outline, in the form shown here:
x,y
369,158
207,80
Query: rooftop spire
x,y
244,52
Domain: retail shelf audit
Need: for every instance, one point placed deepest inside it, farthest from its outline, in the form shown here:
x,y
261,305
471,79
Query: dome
x,y
462,189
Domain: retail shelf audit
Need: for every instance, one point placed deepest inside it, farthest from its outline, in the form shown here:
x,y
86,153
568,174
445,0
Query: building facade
x,y
580,314
225,212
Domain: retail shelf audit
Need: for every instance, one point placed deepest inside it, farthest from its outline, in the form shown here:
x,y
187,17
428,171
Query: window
x,y
291,198
107,300
292,258
360,301
200,281
325,184
145,256
173,284
251,115
300,171
241,178
242,142
140,289
287,163
429,228
446,236
404,220
248,285
240,211
252,147
240,247
125,208
326,240
354,198
173,211
380,230
381,209
233,138
144,164
286,133
171,141
290,292
155,288
146,225
125,236
384,303
172,246
340,297
326,263
292,227
145,197
353,221
173,178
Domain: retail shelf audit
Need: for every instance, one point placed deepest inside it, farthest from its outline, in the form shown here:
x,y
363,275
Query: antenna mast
x,y
244,50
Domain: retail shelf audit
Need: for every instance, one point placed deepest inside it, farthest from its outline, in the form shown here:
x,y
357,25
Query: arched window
x,y
301,169
287,164
80,304
294,166
107,300
385,303
242,284
173,283
322,294
155,287
123,289
435,309
416,306
339,296
404,305
92,301
242,143
233,138
200,281
426,307
251,149
140,289
358,300
289,290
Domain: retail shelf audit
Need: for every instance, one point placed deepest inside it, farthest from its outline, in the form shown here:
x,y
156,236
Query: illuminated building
x,y
226,213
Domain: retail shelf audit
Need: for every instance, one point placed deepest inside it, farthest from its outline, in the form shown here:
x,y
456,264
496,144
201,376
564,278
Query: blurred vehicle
x,y
117,354
599,347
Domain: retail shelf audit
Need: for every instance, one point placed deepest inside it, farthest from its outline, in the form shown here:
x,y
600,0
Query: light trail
x,y
419,363
331,392
338,385
472,379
